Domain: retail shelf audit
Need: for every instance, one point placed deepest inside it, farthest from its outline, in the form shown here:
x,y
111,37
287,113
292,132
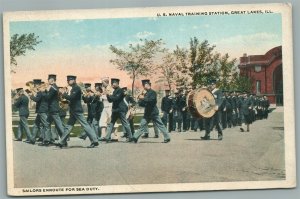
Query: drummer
x,y
215,120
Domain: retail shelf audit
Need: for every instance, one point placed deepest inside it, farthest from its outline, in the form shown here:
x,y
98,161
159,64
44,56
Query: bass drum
x,y
201,103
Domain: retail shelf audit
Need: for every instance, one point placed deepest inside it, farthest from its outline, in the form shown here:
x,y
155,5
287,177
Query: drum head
x,y
204,102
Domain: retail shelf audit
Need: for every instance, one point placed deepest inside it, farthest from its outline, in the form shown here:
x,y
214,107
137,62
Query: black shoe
x,y
40,140
18,140
44,143
114,140
134,140
81,137
93,145
205,138
220,137
242,130
167,140
124,136
102,139
61,145
145,136
108,141
156,136
31,142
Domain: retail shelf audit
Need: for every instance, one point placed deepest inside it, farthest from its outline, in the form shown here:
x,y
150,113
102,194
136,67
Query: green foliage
x,y
19,44
204,62
242,83
227,71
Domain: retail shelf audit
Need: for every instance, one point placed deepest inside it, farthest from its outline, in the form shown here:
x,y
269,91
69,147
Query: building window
x,y
258,86
257,69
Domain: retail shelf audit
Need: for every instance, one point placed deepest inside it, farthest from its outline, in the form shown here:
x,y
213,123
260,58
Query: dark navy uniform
x,y
216,119
151,112
96,110
265,107
131,103
42,108
119,110
76,113
246,111
54,109
167,109
22,105
178,105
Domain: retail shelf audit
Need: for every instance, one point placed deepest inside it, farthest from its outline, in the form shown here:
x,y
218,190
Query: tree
x,y
138,60
19,44
183,75
204,62
227,71
168,69
242,83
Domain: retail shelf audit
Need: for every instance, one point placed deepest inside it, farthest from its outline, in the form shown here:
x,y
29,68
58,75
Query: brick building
x,y
265,72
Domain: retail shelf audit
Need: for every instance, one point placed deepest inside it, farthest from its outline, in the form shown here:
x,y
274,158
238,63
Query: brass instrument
x,y
42,87
108,90
16,96
63,103
82,88
32,89
142,93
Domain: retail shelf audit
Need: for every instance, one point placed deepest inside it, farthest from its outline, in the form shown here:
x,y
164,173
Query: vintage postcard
x,y
162,99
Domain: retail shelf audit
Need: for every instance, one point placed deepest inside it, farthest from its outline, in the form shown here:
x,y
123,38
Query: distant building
x,y
265,72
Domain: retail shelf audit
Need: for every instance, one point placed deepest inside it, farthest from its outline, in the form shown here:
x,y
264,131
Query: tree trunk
x,y
132,86
169,84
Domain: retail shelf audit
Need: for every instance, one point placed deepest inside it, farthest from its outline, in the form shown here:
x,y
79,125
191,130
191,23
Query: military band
x,y
109,102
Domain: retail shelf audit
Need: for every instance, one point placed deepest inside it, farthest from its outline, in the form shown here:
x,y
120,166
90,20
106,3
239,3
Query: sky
x,y
81,47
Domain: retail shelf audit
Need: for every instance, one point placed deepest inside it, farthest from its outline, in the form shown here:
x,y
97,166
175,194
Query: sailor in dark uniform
x,y
259,108
21,104
151,112
239,98
87,99
245,112
234,108
119,110
177,111
167,109
266,105
42,109
130,103
215,120
184,111
76,113
63,108
252,111
224,110
96,109
37,130
229,110
53,101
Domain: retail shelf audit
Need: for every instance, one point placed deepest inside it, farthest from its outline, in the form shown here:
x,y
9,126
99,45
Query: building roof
x,y
262,60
